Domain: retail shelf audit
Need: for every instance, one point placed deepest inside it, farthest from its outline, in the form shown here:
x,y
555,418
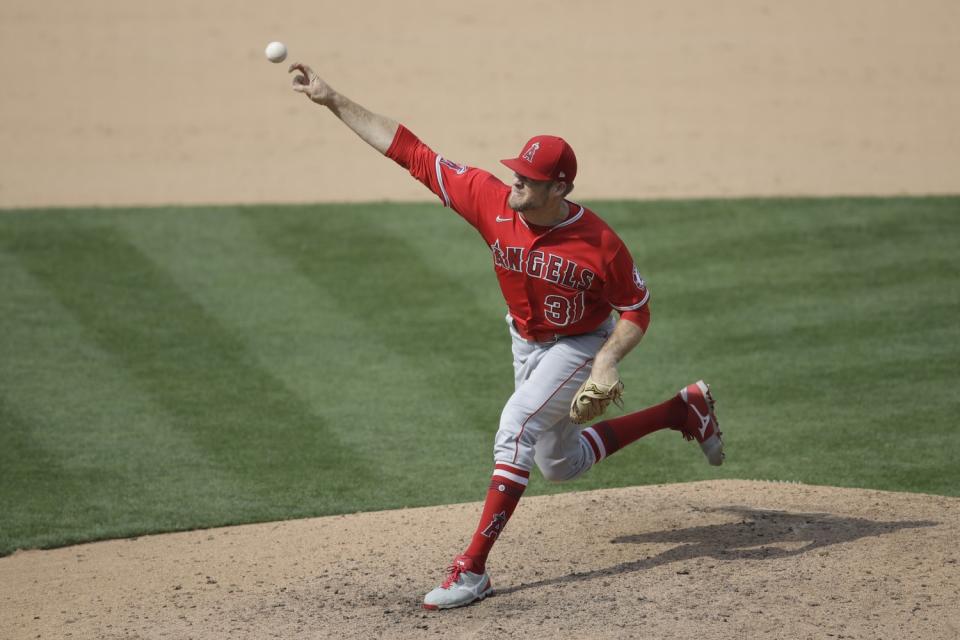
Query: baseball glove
x,y
593,398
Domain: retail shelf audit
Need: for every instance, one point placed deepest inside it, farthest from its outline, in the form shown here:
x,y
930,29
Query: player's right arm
x,y
376,130
466,190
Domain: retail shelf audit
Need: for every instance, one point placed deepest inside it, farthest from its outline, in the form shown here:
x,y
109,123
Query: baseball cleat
x,y
701,424
461,587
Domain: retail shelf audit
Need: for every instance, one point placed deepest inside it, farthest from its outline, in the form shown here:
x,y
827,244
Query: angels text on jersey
x,y
545,266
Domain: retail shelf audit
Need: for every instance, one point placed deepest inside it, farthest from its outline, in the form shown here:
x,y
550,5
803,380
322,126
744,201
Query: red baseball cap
x,y
545,158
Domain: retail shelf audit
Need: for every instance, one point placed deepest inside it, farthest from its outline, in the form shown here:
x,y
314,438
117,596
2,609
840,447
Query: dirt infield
x,y
723,559
108,102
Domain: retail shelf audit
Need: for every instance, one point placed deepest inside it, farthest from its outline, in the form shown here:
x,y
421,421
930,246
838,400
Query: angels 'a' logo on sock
x,y
496,525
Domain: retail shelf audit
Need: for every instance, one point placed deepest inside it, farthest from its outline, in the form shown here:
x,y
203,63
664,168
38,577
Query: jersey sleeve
x,y
624,287
466,190
639,317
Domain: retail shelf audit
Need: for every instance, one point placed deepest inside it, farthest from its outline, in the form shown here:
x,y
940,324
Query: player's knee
x,y
513,429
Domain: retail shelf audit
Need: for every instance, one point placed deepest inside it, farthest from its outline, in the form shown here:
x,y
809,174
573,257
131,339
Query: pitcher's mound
x,y
721,559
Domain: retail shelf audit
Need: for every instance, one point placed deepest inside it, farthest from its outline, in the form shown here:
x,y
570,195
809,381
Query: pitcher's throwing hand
x,y
311,85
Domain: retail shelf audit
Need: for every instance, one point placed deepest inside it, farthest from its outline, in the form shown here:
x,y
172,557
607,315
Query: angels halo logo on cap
x,y
545,158
531,152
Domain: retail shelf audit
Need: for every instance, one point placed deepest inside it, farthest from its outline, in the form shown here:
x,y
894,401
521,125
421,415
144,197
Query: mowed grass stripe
x,y
80,442
827,327
448,339
444,243
200,374
301,332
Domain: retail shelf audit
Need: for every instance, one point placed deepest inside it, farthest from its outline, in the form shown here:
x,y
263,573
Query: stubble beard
x,y
515,204
520,204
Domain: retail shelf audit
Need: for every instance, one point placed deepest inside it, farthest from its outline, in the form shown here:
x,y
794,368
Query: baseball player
x,y
562,271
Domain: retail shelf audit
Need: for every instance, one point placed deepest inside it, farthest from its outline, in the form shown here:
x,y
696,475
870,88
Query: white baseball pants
x,y
535,425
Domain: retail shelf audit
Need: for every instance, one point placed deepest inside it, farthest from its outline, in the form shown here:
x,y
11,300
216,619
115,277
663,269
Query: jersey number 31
x,y
563,311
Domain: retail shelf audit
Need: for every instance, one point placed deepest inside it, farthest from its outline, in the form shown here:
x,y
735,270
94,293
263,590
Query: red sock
x,y
609,436
506,487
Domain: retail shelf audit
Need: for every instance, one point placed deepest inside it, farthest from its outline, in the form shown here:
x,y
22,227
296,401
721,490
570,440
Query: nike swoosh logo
x,y
499,219
704,420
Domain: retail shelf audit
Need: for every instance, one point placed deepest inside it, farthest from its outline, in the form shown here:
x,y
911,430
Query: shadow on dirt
x,y
757,535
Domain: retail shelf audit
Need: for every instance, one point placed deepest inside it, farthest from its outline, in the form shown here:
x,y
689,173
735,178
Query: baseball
x,y
276,52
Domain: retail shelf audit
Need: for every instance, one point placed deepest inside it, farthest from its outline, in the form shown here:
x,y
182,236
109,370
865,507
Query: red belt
x,y
536,337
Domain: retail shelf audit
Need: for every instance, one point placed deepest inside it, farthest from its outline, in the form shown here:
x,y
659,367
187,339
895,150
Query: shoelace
x,y
453,575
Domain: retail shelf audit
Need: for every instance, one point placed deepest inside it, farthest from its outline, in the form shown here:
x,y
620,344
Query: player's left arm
x,y
627,292
625,337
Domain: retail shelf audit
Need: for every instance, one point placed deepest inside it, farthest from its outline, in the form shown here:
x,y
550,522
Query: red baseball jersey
x,y
559,280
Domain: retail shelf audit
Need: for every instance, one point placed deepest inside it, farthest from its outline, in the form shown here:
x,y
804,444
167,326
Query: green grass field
x,y
168,369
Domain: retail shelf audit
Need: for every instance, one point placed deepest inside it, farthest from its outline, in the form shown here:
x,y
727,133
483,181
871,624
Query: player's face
x,y
527,194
